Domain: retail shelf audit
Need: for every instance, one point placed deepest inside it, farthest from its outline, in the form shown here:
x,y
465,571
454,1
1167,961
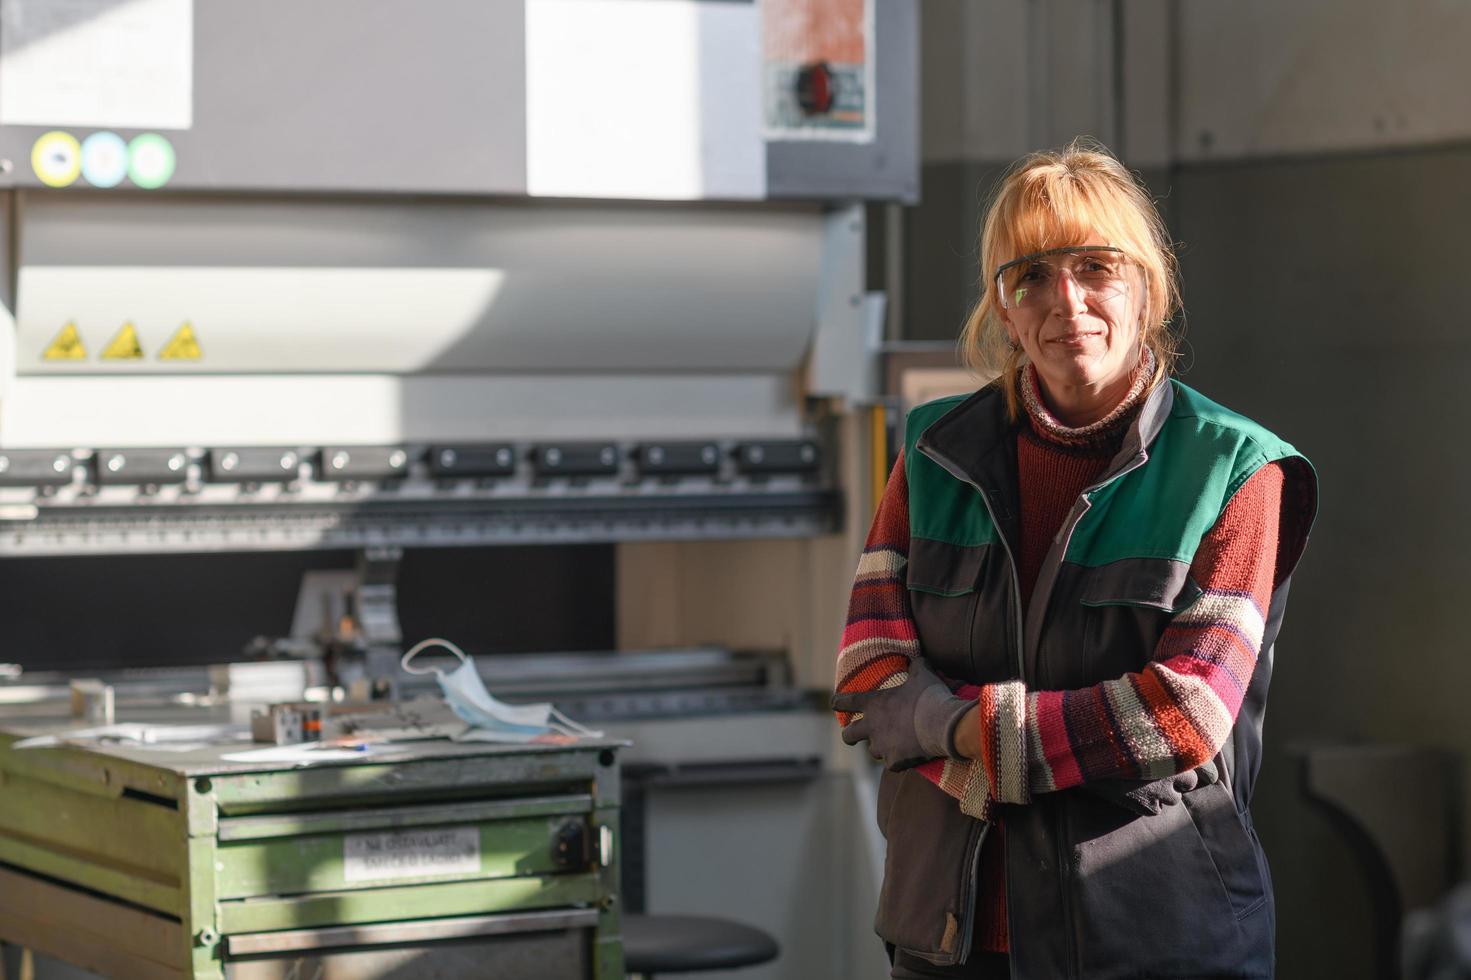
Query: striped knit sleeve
x,y
1176,713
880,638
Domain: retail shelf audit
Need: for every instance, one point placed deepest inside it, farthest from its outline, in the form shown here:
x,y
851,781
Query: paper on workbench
x,y
517,738
303,753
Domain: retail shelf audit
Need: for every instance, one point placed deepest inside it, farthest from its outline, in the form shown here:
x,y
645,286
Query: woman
x,y
1059,640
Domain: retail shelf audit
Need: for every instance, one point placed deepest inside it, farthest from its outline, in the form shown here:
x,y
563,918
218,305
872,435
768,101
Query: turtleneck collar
x,y
1100,435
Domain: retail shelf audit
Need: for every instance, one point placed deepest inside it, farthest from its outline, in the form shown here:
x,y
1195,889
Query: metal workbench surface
x,y
207,759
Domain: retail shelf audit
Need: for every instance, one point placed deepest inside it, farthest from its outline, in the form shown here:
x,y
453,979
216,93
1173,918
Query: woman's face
x,y
1077,314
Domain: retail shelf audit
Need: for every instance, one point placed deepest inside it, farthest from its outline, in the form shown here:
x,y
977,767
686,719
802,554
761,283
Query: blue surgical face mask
x,y
490,719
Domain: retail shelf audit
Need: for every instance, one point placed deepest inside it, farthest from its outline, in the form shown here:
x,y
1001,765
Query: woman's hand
x,y
968,734
904,725
1148,797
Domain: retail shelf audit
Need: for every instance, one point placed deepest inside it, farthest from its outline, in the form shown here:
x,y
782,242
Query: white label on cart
x,y
411,854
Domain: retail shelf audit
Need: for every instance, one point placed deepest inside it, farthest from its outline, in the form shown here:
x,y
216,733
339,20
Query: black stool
x,y
690,943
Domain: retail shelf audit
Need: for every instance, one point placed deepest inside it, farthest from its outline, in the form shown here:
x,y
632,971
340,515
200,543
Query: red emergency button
x,y
815,88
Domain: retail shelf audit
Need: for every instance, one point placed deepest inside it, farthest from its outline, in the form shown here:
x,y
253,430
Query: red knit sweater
x,y
1212,645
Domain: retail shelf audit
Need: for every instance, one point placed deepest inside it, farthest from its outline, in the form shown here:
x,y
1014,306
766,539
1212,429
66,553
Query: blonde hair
x,y
1052,199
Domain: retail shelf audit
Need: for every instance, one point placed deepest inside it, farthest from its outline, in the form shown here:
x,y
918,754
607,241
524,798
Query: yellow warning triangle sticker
x,y
66,345
125,346
182,346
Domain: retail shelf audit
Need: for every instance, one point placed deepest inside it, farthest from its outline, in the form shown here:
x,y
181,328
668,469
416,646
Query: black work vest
x,y
1093,890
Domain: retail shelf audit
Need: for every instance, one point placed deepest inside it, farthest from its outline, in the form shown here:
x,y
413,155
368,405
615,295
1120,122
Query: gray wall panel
x,y
1263,78
941,249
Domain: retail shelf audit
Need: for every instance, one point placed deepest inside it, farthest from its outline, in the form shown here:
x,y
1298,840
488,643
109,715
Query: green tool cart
x,y
425,860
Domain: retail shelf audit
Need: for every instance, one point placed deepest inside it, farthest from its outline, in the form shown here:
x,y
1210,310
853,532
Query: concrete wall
x,y
1312,161
1262,79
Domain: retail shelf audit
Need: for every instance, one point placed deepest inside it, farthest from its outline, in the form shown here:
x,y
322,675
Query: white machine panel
x,y
410,287
251,319
665,95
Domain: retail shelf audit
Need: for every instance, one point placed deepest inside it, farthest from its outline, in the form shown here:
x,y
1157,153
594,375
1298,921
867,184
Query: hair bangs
x,y
1055,209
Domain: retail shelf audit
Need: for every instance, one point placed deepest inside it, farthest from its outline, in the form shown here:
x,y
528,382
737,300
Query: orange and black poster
x,y
818,69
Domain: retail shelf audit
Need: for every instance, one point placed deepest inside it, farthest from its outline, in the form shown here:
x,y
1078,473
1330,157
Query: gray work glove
x,y
908,724
1148,797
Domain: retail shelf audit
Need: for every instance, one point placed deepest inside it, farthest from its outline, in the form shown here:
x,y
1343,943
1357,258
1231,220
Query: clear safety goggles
x,y
1100,271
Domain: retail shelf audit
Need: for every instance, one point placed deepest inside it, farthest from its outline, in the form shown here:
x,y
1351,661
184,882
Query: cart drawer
x,y
532,956
295,865
445,898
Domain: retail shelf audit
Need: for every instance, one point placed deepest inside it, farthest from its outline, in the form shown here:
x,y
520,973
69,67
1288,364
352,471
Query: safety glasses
x,y
1100,271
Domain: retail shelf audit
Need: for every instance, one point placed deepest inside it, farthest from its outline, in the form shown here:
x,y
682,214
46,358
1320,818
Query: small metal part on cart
x,y
369,721
287,724
92,701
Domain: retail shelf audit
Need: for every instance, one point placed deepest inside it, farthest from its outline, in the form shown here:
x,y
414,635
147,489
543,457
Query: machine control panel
x,y
576,459
785,456
141,466
252,465
677,458
35,468
363,462
480,460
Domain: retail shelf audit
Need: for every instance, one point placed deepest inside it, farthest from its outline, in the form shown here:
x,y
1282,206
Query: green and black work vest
x,y
1093,890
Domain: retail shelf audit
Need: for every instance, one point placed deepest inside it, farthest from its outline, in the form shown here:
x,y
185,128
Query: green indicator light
x,y
150,161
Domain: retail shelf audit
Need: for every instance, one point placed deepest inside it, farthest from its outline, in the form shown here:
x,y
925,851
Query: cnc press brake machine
x,y
376,277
